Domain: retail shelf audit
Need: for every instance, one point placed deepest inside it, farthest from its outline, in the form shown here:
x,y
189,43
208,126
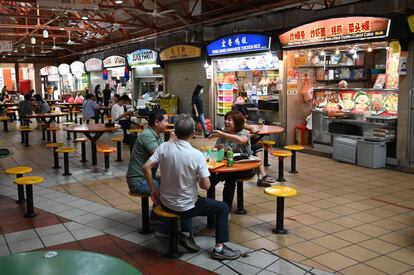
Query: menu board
x,y
369,102
180,52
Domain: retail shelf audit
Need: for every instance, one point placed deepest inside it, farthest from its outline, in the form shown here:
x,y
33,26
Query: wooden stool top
x,y
281,153
281,191
25,129
135,130
117,138
81,140
163,213
54,145
4,118
65,150
53,128
294,147
268,142
28,180
19,170
106,149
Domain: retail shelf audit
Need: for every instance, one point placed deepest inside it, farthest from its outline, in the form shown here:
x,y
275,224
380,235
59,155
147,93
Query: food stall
x,y
80,78
118,74
66,78
345,73
250,77
93,67
147,77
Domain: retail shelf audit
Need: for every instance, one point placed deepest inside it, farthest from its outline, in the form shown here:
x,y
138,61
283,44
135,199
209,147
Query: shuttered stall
x,y
181,79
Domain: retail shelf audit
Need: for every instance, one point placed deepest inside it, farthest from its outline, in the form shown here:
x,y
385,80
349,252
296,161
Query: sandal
x,y
268,179
262,183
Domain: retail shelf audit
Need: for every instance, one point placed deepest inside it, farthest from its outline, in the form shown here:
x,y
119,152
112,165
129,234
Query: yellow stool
x,y
118,140
55,154
280,192
83,147
106,151
19,171
66,151
135,131
281,154
266,145
144,212
53,130
5,120
25,134
29,182
173,232
293,149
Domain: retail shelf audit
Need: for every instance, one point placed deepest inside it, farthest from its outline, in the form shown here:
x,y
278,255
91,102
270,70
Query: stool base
x,y
240,211
30,215
293,172
280,180
279,231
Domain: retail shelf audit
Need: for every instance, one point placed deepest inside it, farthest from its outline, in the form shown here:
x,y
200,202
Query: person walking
x,y
197,108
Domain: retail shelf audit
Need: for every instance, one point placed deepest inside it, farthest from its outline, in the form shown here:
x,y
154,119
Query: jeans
x,y
230,180
142,187
207,207
200,118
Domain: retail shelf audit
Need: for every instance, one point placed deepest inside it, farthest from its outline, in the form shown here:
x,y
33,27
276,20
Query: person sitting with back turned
x,y
89,108
182,169
42,107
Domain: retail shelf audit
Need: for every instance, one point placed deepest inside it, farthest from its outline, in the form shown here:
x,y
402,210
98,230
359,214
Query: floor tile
x,y
403,255
51,230
352,236
258,259
308,249
25,245
361,269
4,250
358,253
330,242
379,246
284,267
21,236
388,265
334,260
85,233
58,238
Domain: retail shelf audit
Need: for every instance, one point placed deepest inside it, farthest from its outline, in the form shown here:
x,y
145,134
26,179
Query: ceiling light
x,y
45,34
119,1
61,29
296,55
23,46
369,48
310,53
337,51
33,40
4,56
285,55
322,52
15,50
355,55
353,51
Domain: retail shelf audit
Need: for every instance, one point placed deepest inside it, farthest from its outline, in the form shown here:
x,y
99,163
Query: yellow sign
x,y
180,52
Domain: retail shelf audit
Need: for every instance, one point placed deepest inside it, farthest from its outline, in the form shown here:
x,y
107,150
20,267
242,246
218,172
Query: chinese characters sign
x,y
180,52
336,30
93,64
238,43
114,61
142,57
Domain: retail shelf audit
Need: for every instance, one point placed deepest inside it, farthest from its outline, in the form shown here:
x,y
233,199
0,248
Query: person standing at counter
x,y
197,108
98,94
106,95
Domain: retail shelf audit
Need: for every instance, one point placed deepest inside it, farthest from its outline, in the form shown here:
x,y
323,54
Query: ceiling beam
x,y
56,28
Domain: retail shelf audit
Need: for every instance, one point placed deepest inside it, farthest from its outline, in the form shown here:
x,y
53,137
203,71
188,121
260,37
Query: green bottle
x,y
230,160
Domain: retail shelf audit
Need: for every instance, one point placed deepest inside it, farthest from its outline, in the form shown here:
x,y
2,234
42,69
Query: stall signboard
x,y
52,70
114,61
336,30
142,57
238,43
180,52
77,68
69,4
43,71
250,63
6,46
93,64
53,77
64,69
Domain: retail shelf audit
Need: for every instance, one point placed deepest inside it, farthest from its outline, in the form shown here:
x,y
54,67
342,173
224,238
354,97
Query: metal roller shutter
x,y
182,77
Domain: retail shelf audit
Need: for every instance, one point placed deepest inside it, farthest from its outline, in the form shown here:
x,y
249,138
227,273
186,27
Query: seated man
x,y
182,168
89,108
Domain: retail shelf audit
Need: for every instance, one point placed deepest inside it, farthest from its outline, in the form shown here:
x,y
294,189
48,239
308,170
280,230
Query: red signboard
x,y
336,30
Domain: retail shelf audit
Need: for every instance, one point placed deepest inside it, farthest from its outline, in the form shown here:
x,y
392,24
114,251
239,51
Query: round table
x,y
88,129
64,263
264,130
71,107
237,167
47,118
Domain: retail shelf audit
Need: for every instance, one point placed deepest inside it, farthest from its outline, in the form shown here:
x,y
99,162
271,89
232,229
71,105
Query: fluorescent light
x,y
45,34
353,51
23,46
322,52
310,53
337,51
33,40
355,55
84,17
369,48
119,2
296,55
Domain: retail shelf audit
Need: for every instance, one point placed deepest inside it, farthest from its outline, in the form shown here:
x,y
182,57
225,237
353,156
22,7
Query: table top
x,y
45,115
9,104
69,104
268,129
237,167
91,128
104,108
64,263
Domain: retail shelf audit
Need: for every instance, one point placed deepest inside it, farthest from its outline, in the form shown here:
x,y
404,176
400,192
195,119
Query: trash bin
x,y
371,153
344,149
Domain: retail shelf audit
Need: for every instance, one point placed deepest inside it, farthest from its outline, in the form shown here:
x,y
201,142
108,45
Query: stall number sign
x,y
238,43
180,52
336,30
114,61
93,65
142,57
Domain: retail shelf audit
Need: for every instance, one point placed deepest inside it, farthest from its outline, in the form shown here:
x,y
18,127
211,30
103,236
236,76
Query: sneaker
x,y
225,254
161,234
188,243
262,183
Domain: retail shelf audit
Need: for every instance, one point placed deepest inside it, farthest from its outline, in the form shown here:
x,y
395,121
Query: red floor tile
x,y
41,221
65,246
111,250
10,228
96,242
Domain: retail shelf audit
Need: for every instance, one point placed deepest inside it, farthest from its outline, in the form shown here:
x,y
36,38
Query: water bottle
x,y
230,160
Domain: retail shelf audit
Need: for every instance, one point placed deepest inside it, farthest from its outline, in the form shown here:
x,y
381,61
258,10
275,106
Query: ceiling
x,y
73,32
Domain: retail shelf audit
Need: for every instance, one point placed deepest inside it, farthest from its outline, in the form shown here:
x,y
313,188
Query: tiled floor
x,y
347,219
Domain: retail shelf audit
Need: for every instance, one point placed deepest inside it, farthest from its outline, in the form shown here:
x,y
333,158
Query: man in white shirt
x,y
182,168
119,115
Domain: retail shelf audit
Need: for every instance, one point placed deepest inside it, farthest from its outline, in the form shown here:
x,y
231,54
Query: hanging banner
x,y
142,57
336,30
180,52
69,4
43,71
105,74
6,46
238,43
114,61
53,77
93,64
77,68
64,69
52,70
126,74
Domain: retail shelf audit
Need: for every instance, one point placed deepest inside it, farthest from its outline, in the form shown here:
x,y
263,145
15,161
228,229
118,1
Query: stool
x,y
118,140
29,182
76,112
19,171
66,151
293,149
5,120
53,130
25,134
280,192
66,124
144,211
173,232
83,148
281,155
107,151
80,120
304,134
55,154
135,131
266,145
